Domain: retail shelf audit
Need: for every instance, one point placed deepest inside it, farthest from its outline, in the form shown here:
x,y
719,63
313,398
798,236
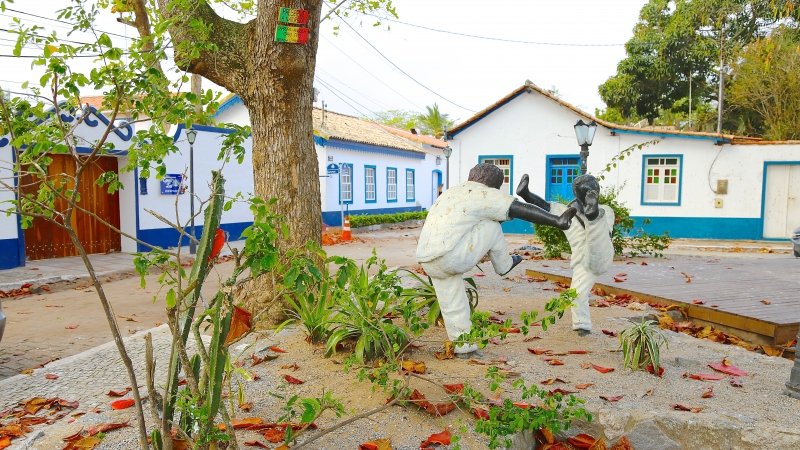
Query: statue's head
x,y
488,174
583,184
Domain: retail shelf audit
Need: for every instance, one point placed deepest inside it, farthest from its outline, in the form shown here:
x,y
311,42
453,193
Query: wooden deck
x,y
732,289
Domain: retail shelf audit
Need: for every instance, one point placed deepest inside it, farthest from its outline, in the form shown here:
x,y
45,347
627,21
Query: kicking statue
x,y
589,238
462,226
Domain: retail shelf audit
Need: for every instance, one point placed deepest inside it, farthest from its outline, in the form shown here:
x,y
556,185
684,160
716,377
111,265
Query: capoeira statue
x,y
589,237
462,226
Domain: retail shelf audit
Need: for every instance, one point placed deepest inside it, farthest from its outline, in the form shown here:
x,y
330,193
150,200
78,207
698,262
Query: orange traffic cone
x,y
346,236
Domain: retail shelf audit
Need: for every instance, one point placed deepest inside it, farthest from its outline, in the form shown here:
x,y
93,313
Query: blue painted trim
x,y
168,237
485,113
764,189
438,177
367,148
89,150
644,178
517,226
207,128
352,185
227,104
12,251
716,139
549,166
510,158
391,200
319,140
334,218
414,182
374,181
703,227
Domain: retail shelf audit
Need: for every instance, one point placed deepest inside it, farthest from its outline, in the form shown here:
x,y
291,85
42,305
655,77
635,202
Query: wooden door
x,y
45,240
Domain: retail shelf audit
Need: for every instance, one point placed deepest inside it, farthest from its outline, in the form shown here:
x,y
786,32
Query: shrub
x,y
639,242
424,296
375,219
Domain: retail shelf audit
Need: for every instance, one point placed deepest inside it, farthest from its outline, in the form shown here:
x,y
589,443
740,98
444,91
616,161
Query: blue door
x,y
561,171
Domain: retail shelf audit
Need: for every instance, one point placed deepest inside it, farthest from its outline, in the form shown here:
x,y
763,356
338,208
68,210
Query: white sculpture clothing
x,y
461,228
592,255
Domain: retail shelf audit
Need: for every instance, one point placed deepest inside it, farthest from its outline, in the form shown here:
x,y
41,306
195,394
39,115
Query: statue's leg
x,y
582,281
453,303
488,236
530,197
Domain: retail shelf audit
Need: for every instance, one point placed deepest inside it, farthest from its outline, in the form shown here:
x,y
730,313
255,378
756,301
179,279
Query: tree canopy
x,y
432,122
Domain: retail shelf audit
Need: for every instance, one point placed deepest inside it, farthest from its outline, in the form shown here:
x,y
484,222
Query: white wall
x,y
8,224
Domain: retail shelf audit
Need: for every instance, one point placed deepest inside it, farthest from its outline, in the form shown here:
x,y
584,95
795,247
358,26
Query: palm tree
x,y
434,122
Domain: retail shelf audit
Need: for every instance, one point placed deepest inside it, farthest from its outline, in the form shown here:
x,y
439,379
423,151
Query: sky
x,y
571,46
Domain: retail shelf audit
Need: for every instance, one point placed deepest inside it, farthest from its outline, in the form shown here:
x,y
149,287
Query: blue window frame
x,y
346,184
370,185
662,179
506,164
391,184
410,186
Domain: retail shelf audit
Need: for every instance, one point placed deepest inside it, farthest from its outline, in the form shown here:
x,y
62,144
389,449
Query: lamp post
x,y
585,134
447,152
793,385
191,135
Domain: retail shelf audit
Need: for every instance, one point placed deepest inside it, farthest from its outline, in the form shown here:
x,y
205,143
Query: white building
x,y
380,169
690,184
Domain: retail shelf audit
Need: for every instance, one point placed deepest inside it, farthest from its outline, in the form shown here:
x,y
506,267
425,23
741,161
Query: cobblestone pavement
x,y
46,271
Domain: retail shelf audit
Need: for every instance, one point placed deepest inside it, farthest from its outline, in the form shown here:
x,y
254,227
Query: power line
x,y
373,75
6,30
490,38
64,21
342,83
334,91
403,71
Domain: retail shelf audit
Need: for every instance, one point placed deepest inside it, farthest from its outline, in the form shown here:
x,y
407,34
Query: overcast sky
x,y
574,46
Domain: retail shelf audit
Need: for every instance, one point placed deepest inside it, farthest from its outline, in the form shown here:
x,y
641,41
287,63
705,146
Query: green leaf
x,y
170,298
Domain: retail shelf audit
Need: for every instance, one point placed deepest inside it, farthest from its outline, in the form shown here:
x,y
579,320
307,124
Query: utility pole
x,y
721,77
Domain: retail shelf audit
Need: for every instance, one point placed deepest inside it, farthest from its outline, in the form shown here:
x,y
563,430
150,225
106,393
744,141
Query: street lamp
x,y
585,134
793,385
447,152
191,135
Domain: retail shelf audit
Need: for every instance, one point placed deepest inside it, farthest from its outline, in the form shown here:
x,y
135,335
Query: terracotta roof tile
x,y
353,129
421,138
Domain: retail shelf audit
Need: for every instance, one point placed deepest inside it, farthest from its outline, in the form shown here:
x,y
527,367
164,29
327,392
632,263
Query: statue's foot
x,y
565,219
591,207
583,333
516,259
522,187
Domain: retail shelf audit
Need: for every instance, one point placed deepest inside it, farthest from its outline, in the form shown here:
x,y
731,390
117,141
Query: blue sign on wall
x,y
172,184
333,168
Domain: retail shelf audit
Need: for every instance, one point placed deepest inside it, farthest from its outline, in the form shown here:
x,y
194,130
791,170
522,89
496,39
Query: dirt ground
x,y
40,328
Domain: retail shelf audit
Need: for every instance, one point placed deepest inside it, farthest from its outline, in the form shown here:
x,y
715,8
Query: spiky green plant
x,y
425,296
641,345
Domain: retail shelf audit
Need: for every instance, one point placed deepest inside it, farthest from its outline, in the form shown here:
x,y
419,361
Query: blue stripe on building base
x,y
9,254
334,218
168,237
703,227
517,226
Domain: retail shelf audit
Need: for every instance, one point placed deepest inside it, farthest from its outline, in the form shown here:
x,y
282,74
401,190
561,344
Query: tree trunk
x,y
278,96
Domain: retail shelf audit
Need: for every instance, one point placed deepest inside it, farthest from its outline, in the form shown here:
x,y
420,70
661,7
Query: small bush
x,y
375,219
639,242
641,346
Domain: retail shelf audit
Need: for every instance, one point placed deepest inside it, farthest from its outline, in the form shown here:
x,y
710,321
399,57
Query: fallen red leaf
x,y
709,392
766,302
454,388
613,398
523,405
551,381
438,409
698,302
71,326
413,366
578,352
480,413
619,279
84,443
378,444
258,444
610,333
622,444
51,376
292,379
442,438
582,441
121,393
240,325
122,404
704,376
728,369
561,391
602,369
104,427
584,386
539,351
652,370
554,362
510,330
274,435
277,349
679,407
239,424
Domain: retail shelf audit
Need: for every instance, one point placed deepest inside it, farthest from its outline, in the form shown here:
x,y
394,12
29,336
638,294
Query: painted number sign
x,y
172,184
291,35
289,15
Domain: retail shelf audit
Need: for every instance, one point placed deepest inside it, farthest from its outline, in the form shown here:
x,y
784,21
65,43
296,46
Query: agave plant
x,y
641,345
312,310
425,296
